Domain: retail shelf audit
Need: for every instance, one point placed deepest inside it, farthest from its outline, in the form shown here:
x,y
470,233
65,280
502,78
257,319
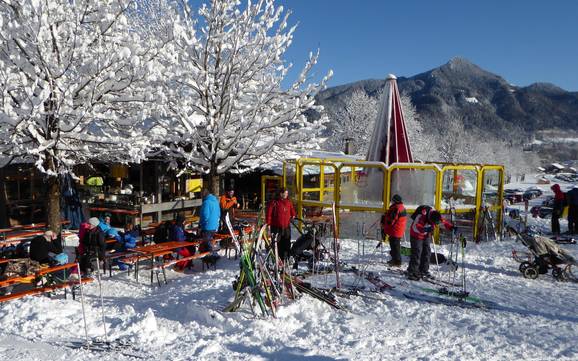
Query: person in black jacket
x,y
94,246
572,200
47,249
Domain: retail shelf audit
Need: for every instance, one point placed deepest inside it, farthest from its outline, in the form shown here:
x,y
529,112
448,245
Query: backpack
x,y
419,210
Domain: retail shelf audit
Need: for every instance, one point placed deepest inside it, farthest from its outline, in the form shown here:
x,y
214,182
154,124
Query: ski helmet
x,y
396,198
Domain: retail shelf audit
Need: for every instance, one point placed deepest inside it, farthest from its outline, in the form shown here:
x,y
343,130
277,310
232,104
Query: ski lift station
x,y
361,189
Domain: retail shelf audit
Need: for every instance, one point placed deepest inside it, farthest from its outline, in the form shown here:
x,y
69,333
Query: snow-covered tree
x,y
455,144
422,141
226,89
74,79
353,122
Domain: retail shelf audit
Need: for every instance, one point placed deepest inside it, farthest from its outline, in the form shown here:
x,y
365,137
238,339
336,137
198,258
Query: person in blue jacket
x,y
210,216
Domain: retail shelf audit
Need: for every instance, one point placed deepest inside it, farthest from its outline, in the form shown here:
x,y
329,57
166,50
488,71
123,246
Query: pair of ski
x,y
433,281
117,347
447,297
372,277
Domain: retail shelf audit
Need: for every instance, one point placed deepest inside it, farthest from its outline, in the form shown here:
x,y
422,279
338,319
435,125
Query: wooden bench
x,y
42,288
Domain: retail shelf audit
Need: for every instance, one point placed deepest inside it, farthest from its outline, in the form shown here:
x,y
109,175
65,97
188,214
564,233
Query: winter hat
x,y
94,221
396,198
555,187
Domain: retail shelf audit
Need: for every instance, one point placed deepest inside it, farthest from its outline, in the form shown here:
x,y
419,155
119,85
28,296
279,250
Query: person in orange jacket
x,y
394,222
228,203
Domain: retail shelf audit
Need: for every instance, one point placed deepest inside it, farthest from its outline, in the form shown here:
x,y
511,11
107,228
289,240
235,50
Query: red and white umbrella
x,y
389,141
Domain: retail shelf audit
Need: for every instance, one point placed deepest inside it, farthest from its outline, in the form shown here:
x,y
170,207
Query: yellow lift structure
x,y
475,191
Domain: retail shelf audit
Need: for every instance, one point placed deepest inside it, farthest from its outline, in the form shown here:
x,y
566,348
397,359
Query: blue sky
x,y
523,41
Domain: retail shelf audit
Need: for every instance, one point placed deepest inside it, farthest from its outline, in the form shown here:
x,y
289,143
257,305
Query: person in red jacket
x,y
425,219
394,223
279,214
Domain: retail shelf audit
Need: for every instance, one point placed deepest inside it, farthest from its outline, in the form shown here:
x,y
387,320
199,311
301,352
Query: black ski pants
x,y
573,219
395,249
556,213
283,238
420,256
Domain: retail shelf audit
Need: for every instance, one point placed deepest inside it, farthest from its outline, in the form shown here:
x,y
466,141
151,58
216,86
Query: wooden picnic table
x,y
131,212
29,226
152,251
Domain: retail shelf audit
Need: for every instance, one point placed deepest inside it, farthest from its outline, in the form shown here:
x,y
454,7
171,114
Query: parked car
x,y
514,195
541,211
548,201
532,193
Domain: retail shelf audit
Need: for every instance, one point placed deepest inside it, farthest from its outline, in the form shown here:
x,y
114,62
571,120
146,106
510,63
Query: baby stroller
x,y
308,246
544,254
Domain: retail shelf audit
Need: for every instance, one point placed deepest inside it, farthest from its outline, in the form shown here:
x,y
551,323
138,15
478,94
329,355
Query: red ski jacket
x,y
280,212
419,227
395,221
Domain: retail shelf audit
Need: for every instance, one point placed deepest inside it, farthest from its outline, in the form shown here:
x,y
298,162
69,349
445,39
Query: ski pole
x,y
433,241
452,240
101,299
463,243
82,304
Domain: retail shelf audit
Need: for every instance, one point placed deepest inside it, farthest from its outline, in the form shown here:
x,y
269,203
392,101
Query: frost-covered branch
x,y
226,88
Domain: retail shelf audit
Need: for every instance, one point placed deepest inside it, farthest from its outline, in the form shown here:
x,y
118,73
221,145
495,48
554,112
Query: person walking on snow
x,y
557,209
572,199
209,219
394,222
280,211
425,219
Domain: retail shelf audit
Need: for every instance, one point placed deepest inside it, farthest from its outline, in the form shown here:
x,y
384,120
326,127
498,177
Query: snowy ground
x,y
536,320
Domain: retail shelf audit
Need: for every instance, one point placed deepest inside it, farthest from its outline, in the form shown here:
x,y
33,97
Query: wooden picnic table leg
x,y
152,267
136,269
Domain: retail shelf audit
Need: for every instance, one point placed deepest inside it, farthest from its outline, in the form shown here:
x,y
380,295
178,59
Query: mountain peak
x,y
461,65
545,87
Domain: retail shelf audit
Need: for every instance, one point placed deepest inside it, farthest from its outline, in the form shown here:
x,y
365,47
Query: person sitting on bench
x,y
94,245
47,249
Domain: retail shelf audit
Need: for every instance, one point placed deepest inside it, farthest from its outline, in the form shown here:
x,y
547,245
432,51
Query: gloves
x,y
428,228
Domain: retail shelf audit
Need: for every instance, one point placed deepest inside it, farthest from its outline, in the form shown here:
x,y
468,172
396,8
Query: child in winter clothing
x,y
425,219
394,223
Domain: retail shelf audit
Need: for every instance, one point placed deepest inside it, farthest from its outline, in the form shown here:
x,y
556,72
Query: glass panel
x,y
311,176
415,186
363,187
311,196
464,222
459,188
490,187
359,225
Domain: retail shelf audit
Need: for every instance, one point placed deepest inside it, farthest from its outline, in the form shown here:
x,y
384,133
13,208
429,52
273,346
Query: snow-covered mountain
x,y
483,100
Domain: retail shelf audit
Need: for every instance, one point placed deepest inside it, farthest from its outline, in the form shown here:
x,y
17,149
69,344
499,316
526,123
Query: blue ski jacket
x,y
210,214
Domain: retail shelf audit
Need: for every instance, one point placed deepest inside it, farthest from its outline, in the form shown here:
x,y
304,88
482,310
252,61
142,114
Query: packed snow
x,y
533,319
